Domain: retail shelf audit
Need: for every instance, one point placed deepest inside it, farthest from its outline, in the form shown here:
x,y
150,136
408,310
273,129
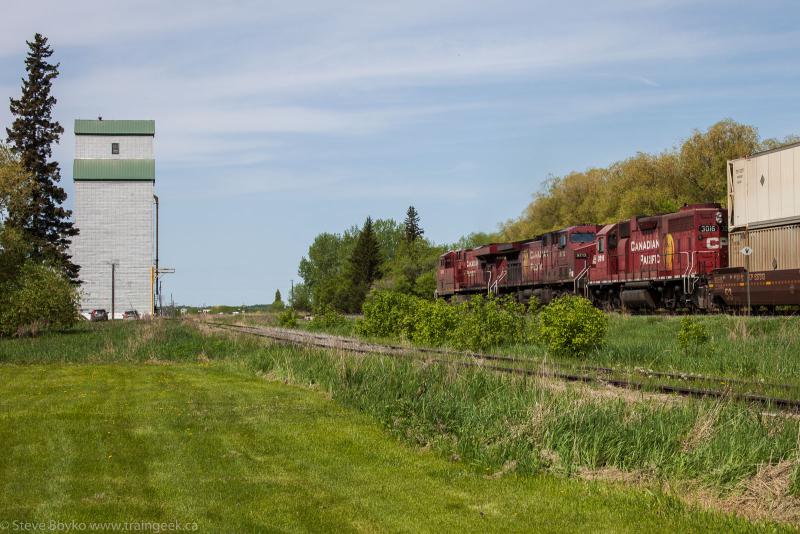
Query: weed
x,y
288,318
326,318
692,335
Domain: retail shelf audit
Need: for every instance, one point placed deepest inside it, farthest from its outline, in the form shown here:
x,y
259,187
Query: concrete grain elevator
x,y
115,211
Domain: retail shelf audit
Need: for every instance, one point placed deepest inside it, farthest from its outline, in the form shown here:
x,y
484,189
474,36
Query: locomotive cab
x,y
445,275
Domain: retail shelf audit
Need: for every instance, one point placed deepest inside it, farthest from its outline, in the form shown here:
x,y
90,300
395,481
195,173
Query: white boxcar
x,y
764,189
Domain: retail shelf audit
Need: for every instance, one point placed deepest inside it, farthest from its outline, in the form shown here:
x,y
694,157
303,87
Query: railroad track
x,y
520,366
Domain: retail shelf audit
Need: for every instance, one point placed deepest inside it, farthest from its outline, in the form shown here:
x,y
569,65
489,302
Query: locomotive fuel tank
x,y
638,299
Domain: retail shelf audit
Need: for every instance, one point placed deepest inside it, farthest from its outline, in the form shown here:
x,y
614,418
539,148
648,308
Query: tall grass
x,y
489,421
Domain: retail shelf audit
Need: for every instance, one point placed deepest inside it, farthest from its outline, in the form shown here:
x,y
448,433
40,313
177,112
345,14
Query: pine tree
x,y
412,229
366,259
365,267
43,219
278,299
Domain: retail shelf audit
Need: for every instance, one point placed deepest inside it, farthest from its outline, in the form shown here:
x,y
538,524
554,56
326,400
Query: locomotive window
x,y
562,240
612,241
582,237
601,245
625,229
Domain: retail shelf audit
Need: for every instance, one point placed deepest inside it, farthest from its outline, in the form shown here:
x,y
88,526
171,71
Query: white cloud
x,y
225,81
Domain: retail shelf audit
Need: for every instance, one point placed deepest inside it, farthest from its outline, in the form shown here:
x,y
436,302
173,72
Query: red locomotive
x,y
662,261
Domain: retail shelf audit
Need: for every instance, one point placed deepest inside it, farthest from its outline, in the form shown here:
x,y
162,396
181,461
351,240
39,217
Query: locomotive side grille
x,y
680,224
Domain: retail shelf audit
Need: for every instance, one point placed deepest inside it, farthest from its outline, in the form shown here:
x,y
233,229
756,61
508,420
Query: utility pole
x,y
113,286
746,252
291,294
156,284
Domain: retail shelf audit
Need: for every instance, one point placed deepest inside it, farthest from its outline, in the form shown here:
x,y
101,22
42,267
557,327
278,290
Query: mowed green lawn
x,y
237,453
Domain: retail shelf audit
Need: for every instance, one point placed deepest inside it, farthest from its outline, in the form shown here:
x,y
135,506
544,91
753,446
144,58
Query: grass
x,y
488,423
230,452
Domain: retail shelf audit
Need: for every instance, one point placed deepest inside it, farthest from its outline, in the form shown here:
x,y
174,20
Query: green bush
x,y
388,314
692,334
533,304
572,325
434,322
288,318
478,324
327,318
40,297
489,322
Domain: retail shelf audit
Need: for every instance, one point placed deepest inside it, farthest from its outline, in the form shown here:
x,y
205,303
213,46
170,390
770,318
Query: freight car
x,y
764,212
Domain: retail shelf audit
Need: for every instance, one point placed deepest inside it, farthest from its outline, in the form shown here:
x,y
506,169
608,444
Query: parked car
x,y
98,315
130,315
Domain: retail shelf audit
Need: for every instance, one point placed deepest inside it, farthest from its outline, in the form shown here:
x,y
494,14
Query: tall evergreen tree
x,y
43,219
365,267
366,259
412,229
278,299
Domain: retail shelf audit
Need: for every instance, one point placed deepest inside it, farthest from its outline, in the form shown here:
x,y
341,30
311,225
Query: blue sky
x,y
279,120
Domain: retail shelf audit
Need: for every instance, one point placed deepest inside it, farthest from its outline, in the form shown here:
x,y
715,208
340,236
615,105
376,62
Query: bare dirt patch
x,y
766,495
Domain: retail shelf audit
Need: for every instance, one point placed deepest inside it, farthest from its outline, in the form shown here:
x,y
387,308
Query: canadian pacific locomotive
x,y
702,257
644,262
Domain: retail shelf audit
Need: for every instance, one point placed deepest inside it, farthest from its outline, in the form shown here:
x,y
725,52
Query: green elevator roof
x,y
114,169
114,127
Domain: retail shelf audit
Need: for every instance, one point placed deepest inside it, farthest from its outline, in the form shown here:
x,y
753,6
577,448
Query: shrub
x,y
478,324
327,318
533,304
434,322
288,318
388,314
572,325
489,322
692,334
40,297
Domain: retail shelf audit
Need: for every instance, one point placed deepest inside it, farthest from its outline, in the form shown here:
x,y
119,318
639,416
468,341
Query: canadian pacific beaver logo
x,y
668,251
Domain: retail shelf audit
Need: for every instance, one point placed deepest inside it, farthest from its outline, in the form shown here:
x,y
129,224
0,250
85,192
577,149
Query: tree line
x,y
341,268
644,184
